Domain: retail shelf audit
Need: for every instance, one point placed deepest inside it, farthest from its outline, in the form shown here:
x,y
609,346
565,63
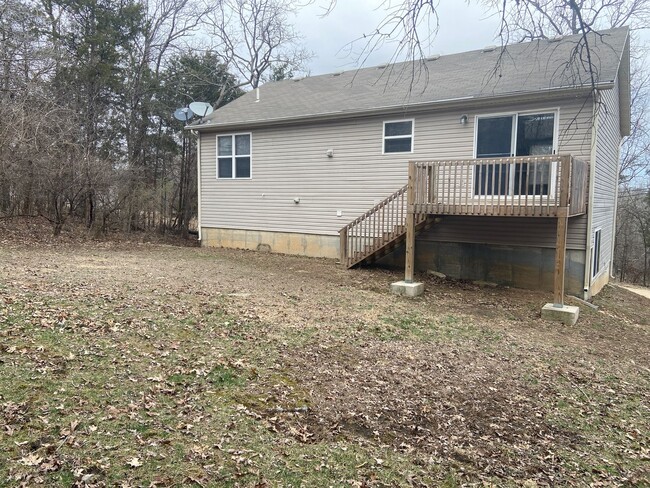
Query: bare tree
x,y
632,254
534,19
254,35
25,66
635,151
413,24
542,19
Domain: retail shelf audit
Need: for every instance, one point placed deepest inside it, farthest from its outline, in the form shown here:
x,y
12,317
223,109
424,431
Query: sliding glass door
x,y
505,136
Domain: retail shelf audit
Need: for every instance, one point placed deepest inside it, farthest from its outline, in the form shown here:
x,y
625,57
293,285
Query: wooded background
x,y
88,89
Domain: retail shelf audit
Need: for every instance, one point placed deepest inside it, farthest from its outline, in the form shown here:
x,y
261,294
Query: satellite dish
x,y
201,108
184,114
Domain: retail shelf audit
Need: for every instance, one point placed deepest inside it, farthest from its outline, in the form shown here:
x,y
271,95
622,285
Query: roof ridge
x,y
469,75
461,53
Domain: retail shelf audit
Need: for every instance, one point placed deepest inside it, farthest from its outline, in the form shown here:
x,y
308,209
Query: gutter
x,y
410,108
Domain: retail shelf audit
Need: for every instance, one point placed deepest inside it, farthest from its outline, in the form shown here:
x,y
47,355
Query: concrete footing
x,y
566,314
407,289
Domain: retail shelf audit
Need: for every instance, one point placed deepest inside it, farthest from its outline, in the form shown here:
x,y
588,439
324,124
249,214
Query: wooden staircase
x,y
378,231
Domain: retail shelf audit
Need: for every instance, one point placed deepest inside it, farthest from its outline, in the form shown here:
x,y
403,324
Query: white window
x,y
234,156
504,136
596,254
398,136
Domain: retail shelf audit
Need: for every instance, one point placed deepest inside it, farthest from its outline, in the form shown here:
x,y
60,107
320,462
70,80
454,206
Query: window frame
x,y
513,148
233,156
384,136
598,231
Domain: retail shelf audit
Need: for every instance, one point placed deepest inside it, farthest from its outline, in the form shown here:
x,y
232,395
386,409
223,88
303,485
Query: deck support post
x,y
410,225
408,287
343,250
560,257
557,310
562,224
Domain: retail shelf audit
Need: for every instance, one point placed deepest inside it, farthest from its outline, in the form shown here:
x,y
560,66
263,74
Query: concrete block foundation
x,y
316,246
517,266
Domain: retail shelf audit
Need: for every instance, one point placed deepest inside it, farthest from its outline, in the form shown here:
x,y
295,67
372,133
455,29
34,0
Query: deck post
x,y
560,256
562,224
344,246
557,310
410,225
408,287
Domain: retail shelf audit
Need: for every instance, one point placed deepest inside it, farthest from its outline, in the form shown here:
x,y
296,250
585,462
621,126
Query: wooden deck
x,y
531,186
505,187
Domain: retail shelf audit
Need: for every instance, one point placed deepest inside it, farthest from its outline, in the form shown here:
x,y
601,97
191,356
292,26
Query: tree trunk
x,y
91,210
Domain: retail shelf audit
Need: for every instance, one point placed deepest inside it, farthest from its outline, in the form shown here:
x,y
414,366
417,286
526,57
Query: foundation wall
x,y
317,246
520,267
517,266
599,282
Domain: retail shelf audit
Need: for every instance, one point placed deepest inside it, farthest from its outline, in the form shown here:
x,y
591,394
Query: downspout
x,y
618,172
590,201
615,218
198,181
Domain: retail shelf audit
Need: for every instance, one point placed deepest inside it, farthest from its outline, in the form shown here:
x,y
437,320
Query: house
x,y
511,159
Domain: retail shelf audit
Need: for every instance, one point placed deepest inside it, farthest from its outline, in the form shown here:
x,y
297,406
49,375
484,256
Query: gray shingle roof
x,y
523,68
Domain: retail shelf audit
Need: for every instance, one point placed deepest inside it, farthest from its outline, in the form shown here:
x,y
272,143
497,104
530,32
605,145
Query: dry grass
x,y
152,365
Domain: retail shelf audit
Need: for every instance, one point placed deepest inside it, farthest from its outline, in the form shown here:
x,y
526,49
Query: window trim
x,y
233,156
601,265
513,140
384,136
513,144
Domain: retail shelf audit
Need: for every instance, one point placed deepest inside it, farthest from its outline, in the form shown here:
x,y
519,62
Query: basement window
x,y
234,156
398,136
596,256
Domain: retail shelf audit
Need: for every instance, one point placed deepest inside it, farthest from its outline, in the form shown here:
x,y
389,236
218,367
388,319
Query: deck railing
x,y
536,186
374,229
528,186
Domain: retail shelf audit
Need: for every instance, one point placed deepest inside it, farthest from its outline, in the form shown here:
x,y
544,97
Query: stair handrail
x,y
374,209
372,231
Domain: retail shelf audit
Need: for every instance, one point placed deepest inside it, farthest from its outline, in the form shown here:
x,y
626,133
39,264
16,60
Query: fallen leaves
x,y
31,459
122,362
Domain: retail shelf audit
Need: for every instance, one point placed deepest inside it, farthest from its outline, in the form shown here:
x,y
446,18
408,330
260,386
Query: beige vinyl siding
x,y
291,162
606,170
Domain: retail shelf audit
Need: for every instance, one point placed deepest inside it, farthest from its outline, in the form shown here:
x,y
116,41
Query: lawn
x,y
134,364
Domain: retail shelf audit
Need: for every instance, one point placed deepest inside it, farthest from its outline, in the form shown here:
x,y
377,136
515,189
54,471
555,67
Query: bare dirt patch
x,y
144,363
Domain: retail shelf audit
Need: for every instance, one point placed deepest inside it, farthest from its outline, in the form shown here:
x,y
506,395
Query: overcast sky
x,y
462,28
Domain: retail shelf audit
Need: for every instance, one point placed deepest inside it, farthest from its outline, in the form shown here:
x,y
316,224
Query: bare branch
x,y
253,35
